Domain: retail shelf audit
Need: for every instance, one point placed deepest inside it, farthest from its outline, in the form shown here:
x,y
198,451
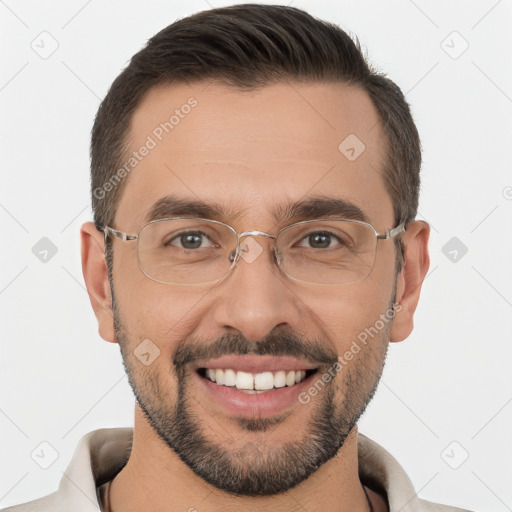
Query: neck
x,y
155,478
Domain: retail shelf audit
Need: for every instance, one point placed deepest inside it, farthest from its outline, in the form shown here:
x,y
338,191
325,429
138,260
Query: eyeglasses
x,y
193,251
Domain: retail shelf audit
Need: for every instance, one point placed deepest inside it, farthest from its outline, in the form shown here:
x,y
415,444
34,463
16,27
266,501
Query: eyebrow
x,y
311,208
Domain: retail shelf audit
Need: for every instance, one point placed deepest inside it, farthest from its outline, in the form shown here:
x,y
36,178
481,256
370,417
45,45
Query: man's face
x,y
251,153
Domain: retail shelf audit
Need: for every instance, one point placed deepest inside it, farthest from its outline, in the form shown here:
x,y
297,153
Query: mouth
x,y
255,386
255,383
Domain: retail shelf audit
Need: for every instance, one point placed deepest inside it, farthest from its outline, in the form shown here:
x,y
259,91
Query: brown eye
x,y
190,240
320,240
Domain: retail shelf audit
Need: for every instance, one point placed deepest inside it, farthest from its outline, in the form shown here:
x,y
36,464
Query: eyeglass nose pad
x,y
277,256
233,256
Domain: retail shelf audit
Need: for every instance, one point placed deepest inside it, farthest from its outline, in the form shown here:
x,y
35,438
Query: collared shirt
x,y
102,453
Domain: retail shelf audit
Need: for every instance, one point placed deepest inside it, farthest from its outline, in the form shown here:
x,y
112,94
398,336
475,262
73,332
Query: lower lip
x,y
254,405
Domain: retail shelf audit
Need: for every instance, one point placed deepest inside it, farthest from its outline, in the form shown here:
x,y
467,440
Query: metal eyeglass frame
x,y
234,257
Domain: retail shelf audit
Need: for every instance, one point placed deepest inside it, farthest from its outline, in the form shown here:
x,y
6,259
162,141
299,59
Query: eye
x,y
321,240
190,240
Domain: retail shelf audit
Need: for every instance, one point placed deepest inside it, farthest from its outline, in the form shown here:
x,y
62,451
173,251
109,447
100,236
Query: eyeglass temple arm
x,y
392,232
119,234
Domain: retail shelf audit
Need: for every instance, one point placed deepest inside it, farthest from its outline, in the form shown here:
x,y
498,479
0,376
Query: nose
x,y
255,297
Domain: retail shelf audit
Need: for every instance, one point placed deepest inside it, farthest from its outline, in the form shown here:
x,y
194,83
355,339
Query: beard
x,y
254,467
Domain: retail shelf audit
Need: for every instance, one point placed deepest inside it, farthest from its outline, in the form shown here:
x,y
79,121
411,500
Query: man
x,y
254,187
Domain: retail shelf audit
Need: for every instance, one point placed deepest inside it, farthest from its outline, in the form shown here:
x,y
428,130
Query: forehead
x,y
254,152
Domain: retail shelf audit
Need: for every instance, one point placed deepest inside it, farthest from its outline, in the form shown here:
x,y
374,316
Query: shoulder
x,y
98,456
428,506
44,504
382,473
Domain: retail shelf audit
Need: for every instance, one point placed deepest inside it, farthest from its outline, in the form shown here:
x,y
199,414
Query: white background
x,y
450,381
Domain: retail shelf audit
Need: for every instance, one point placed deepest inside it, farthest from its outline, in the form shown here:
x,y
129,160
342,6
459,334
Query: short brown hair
x,y
246,47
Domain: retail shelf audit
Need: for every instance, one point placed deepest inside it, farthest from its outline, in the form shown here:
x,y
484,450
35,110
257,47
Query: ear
x,y
94,269
410,279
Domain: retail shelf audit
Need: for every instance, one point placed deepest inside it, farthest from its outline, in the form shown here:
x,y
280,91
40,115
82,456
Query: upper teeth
x,y
258,381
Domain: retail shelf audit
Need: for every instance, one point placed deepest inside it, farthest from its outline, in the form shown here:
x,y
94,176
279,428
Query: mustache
x,y
276,343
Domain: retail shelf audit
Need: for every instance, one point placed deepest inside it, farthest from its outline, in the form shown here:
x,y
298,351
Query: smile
x,y
255,382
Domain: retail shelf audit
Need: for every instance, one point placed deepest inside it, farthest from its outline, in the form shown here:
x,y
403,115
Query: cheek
x,y
163,314
345,313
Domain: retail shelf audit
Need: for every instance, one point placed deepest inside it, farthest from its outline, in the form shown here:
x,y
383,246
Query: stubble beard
x,y
255,468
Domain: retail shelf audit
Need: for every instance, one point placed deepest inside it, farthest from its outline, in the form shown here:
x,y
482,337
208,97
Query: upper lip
x,y
257,364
